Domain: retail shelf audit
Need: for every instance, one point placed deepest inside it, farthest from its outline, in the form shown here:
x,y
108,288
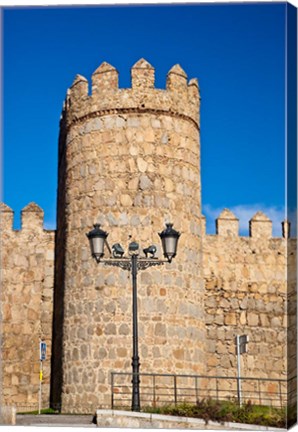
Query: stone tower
x,y
129,159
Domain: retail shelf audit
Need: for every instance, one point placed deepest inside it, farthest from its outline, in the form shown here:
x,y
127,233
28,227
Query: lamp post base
x,y
135,404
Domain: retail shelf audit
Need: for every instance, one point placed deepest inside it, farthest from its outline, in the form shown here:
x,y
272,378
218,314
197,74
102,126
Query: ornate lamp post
x,y
169,238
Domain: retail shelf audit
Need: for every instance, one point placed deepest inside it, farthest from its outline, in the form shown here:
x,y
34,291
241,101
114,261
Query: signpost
x,y
42,357
241,348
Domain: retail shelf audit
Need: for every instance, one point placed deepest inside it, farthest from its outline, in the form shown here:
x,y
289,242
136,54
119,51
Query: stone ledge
x,y
129,419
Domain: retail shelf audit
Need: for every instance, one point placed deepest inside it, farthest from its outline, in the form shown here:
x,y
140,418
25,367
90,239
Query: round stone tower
x,y
129,159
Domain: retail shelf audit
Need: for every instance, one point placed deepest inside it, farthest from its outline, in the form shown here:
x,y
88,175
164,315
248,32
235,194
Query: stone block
x,y
160,330
126,200
122,352
252,319
144,182
230,318
276,322
142,165
242,318
133,122
8,415
110,329
124,329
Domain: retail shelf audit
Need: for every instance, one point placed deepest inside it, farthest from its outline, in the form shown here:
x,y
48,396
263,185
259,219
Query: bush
x,y
226,411
43,411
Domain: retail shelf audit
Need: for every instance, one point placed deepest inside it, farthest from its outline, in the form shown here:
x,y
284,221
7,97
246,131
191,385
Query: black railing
x,y
170,389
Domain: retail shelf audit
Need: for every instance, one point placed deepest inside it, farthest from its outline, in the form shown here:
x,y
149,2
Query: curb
x,y
151,417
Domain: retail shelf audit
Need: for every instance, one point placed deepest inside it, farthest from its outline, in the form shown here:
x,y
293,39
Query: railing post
x,y
175,389
112,390
280,394
154,396
196,386
238,371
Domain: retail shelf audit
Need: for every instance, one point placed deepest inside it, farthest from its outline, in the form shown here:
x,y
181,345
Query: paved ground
x,y
85,421
75,420
63,420
60,420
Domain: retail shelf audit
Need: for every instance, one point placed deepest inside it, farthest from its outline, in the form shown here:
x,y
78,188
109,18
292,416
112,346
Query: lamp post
x,y
134,262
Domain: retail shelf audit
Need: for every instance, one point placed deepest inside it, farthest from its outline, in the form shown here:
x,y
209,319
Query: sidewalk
x,y
85,421
59,420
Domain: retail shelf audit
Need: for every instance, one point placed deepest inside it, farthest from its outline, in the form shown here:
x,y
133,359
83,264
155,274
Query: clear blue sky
x,y
236,51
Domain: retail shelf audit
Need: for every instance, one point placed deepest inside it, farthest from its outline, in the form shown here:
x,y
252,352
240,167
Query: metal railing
x,y
170,389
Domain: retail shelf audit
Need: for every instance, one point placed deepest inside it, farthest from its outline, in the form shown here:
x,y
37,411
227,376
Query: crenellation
x,y
104,80
142,76
75,101
177,80
78,89
193,85
179,100
32,217
6,217
260,226
194,98
227,224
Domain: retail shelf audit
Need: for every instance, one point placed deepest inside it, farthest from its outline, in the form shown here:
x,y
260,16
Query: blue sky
x,y
237,52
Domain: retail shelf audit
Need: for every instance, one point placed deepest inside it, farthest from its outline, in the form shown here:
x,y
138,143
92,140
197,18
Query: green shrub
x,y
226,411
43,411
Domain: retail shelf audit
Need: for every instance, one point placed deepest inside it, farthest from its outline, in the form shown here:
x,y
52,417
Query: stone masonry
x,y
27,270
129,159
246,294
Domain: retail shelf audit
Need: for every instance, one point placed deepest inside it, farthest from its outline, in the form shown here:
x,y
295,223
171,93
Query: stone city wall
x,y
130,161
27,263
246,293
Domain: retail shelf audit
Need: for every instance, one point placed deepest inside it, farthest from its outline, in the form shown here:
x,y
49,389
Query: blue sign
x,y
43,349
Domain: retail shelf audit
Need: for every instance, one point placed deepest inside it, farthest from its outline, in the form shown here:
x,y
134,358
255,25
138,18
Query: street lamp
x,y
98,238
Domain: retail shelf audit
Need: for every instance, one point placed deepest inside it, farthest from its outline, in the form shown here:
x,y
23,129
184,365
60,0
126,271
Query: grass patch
x,y
225,411
42,411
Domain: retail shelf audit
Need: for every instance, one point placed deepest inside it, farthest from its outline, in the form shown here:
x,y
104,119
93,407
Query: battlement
x,y
260,226
180,98
32,217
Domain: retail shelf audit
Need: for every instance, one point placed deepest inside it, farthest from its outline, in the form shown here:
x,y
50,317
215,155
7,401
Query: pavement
x,y
74,420
61,420
85,421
